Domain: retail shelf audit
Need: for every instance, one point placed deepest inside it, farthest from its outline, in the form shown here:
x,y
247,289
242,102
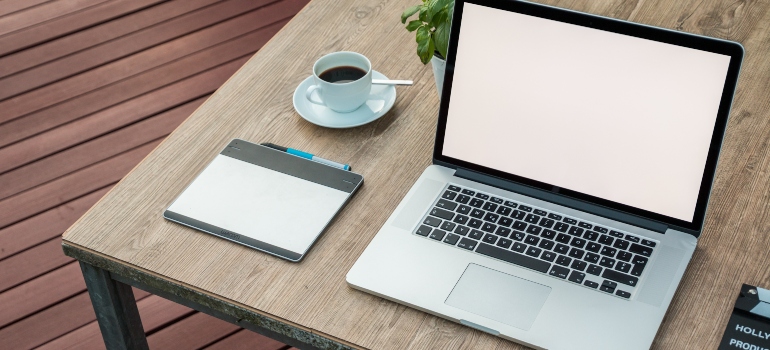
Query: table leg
x,y
115,309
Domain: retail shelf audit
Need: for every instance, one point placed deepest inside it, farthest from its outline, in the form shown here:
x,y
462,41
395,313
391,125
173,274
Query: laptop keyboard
x,y
594,256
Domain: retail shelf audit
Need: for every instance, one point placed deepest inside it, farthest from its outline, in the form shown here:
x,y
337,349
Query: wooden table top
x,y
126,226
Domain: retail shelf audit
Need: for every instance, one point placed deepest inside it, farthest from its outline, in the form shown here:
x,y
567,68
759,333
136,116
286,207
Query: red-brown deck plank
x,y
247,340
52,323
42,13
87,89
91,152
70,23
141,42
11,6
193,332
90,37
155,311
41,292
46,225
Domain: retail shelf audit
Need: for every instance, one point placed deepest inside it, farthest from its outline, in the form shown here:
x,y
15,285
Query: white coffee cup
x,y
343,81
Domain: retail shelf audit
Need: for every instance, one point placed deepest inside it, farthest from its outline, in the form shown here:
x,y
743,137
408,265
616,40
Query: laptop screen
x,y
613,116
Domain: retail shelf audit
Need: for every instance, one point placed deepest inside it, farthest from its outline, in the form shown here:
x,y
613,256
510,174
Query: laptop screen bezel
x,y
732,49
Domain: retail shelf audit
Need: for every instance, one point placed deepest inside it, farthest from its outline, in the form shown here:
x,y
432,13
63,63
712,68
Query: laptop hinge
x,y
561,200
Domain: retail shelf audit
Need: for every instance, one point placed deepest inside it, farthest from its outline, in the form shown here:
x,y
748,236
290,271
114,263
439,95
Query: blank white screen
x,y
613,116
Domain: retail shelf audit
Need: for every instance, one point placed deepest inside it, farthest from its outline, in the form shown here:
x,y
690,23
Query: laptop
x,y
572,167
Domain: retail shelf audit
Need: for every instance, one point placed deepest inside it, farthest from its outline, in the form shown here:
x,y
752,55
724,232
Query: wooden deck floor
x,y
87,89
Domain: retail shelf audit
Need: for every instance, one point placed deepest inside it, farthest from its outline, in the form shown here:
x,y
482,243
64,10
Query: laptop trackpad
x,y
498,296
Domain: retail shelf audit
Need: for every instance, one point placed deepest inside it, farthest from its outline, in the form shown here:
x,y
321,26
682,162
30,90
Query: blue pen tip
x,y
347,167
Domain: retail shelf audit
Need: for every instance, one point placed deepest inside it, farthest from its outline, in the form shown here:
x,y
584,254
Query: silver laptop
x,y
571,173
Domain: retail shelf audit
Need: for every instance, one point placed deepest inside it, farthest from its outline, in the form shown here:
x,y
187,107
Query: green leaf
x,y
441,38
413,25
425,45
424,14
409,12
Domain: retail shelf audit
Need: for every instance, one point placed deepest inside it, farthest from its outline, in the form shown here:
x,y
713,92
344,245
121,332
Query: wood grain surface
x,y
255,105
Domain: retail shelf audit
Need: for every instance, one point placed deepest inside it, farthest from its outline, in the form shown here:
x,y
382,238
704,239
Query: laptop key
x,y
451,239
496,200
504,243
556,217
464,209
576,231
640,249
489,227
561,248
576,253
620,277
454,188
476,234
444,214
518,214
633,239
468,192
519,247
504,211
513,257
519,225
546,244
608,251
489,206
620,244
591,235
576,277
511,204
563,260
531,240
622,266
467,244
490,238
592,258
606,240
607,262
616,234
637,270
424,230
462,199
517,236
640,260
622,294
477,213
562,238
445,204
547,223
503,231
548,256
491,217
534,229
449,195
593,247
482,196
558,271
585,225
437,235
504,221
448,226
533,251
525,208
578,265
461,219
540,212
549,234
431,221
561,227
570,221
590,284
594,270
476,203
624,256
578,243
532,219
475,223
462,230
608,286
648,243
600,229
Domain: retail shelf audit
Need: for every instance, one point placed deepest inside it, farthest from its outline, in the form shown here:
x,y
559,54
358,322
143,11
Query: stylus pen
x,y
306,155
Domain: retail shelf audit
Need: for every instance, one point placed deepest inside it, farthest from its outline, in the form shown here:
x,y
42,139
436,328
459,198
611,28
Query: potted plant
x,y
432,25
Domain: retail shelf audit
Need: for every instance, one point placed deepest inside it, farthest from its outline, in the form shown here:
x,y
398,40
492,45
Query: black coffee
x,y
342,74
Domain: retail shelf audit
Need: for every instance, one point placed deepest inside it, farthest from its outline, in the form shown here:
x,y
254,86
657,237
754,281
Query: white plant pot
x,y
438,72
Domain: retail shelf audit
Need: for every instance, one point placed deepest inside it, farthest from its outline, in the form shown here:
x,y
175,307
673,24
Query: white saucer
x,y
380,101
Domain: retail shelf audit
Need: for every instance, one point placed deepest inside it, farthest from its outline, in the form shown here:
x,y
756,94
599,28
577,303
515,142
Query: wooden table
x,y
124,240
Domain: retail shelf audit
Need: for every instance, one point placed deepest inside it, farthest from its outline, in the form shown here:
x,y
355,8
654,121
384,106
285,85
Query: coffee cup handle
x,y
309,95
